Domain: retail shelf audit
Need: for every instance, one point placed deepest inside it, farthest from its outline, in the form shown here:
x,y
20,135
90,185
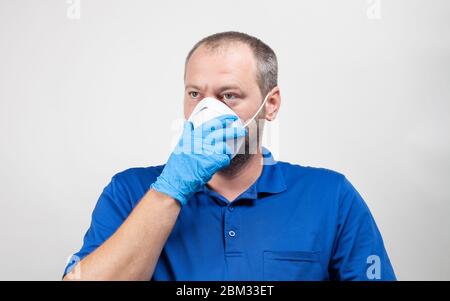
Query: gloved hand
x,y
199,154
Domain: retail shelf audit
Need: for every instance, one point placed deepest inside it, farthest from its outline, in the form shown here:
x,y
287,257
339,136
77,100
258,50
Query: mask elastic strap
x,y
257,112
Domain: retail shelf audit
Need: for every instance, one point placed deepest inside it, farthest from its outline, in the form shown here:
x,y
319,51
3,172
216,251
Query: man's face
x,y
227,74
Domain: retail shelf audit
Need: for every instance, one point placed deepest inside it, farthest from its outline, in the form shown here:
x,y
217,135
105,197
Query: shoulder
x,y
311,176
328,187
128,186
139,174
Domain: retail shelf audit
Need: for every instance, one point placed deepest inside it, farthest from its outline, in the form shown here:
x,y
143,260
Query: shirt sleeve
x,y
358,251
111,210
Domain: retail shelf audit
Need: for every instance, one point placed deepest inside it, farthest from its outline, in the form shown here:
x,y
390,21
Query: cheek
x,y
188,108
245,110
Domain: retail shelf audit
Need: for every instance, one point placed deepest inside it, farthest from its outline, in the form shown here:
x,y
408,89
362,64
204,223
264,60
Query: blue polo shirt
x,y
293,223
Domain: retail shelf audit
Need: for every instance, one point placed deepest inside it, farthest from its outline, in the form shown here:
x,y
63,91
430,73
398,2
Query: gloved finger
x,y
219,122
185,141
187,126
230,121
225,134
222,148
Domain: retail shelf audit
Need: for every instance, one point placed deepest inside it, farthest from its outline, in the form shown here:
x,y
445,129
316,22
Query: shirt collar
x,y
270,181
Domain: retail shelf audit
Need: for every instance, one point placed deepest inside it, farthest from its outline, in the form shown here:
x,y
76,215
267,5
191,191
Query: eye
x,y
228,96
194,94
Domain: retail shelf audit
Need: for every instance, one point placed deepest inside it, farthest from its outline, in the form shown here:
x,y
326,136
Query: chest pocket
x,y
292,266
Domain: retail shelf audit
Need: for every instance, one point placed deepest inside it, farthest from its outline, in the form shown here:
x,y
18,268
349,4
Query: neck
x,y
232,185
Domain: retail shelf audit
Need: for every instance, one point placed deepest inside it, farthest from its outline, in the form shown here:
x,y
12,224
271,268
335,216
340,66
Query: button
x,y
232,233
230,208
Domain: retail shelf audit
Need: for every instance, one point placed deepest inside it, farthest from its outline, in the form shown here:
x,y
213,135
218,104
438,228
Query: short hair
x,y
266,59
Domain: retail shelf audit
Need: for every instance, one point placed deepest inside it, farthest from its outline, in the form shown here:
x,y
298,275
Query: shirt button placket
x,y
231,230
236,264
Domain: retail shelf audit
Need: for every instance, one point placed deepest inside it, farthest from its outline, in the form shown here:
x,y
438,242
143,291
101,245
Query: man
x,y
211,216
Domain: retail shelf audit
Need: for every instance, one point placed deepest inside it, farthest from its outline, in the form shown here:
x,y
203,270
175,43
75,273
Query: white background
x,y
83,99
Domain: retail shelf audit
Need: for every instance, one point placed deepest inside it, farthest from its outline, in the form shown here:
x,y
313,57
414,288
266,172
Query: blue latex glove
x,y
199,154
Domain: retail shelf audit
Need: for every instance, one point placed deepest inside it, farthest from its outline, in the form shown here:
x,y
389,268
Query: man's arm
x,y
132,252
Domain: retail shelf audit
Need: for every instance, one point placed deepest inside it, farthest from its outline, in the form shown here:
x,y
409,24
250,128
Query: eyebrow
x,y
192,86
230,87
221,89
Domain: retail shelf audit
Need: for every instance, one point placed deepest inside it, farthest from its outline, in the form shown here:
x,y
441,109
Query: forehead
x,y
230,64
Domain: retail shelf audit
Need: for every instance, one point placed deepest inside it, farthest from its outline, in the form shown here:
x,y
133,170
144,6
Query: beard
x,y
243,156
237,163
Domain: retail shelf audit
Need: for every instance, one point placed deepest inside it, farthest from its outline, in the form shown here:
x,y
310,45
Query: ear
x,y
272,104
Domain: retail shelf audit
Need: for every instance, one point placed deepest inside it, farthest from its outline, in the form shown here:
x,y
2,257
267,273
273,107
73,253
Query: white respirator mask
x,y
210,107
